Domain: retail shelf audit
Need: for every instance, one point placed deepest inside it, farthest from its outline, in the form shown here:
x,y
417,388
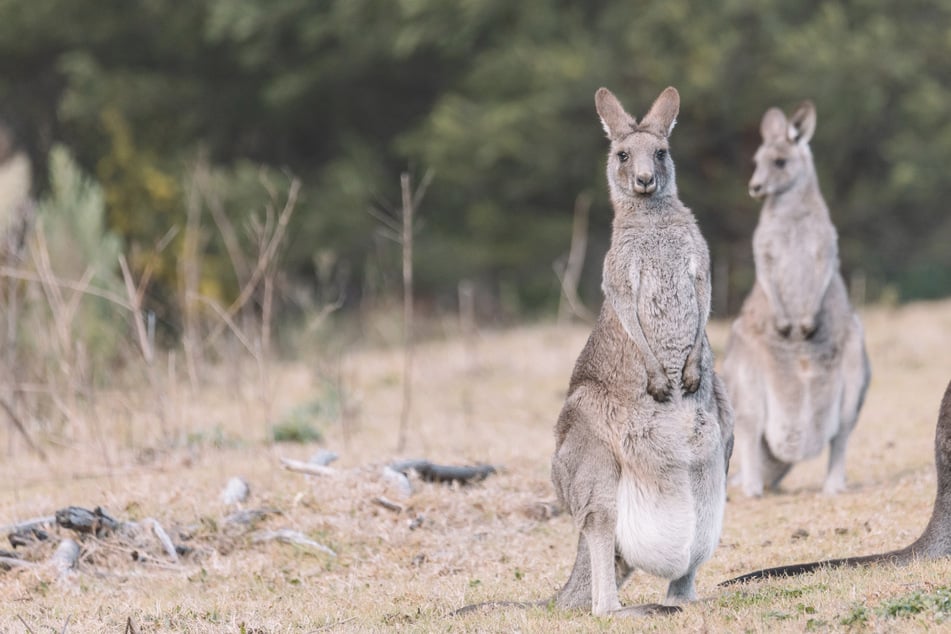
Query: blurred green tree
x,y
496,98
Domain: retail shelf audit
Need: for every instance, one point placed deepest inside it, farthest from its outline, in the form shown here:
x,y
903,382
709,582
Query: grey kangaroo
x,y
795,364
935,541
645,436
646,432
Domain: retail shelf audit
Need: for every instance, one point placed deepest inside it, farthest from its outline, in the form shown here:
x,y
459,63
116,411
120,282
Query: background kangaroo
x,y
645,435
934,542
795,364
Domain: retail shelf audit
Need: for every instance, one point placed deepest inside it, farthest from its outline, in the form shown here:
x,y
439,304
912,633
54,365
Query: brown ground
x,y
451,546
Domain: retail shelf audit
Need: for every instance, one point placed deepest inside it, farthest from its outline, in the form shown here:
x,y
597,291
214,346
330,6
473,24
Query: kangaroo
x,y
935,541
644,439
795,364
646,432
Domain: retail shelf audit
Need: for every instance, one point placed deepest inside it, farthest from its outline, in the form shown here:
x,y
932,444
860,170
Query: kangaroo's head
x,y
639,163
784,158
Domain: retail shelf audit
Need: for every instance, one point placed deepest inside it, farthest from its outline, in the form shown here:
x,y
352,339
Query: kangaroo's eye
x,y
623,156
779,162
661,154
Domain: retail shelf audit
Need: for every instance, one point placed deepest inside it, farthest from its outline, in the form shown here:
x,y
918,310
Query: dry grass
x,y
484,542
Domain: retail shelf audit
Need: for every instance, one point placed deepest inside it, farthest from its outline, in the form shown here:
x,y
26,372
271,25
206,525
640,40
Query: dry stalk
x,y
402,233
570,275
190,270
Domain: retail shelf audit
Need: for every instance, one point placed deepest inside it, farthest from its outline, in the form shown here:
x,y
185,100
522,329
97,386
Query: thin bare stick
x,y
407,242
307,467
25,624
144,344
228,234
190,271
163,537
20,427
226,318
572,271
28,276
270,237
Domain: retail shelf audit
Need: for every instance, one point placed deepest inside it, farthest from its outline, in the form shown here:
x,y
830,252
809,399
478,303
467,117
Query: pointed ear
x,y
802,123
774,125
617,123
663,114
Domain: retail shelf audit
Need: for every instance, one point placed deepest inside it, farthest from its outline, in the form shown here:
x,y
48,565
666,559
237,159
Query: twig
x,y
307,467
136,307
13,562
389,504
27,276
163,538
265,258
25,624
571,274
66,624
289,536
27,524
130,627
15,420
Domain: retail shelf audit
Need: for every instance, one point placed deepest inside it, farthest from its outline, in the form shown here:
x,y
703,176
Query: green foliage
x,y
295,429
299,424
859,616
496,97
938,602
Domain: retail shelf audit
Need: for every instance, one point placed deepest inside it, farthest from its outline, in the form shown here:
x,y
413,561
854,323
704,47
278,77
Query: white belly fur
x,y
655,530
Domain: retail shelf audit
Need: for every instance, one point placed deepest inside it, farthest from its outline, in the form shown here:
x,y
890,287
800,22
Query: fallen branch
x,y
249,516
163,538
389,505
14,562
289,536
26,525
307,467
83,520
442,473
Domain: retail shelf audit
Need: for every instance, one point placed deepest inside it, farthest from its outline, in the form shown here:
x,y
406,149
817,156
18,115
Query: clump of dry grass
x,y
408,569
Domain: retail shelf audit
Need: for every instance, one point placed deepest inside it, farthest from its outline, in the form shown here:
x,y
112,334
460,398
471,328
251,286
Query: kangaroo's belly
x,y
655,530
803,405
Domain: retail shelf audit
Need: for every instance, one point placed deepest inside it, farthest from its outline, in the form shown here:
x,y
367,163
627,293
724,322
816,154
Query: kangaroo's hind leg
x,y
576,593
856,374
747,394
585,474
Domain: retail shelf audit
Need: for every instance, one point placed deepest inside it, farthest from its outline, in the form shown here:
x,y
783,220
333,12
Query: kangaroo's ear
x,y
802,123
663,114
617,123
773,126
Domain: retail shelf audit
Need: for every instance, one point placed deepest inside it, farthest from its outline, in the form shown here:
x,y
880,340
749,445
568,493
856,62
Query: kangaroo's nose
x,y
755,189
644,181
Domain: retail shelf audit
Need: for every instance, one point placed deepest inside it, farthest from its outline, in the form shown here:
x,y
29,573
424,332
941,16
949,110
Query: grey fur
x,y
645,435
934,542
795,365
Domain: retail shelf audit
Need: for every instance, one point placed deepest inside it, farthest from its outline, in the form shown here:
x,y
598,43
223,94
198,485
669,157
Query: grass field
x,y
493,400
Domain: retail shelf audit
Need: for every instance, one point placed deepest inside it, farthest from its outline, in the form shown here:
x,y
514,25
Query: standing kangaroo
x,y
795,364
645,435
934,542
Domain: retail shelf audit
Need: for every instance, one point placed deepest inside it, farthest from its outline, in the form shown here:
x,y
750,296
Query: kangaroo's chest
x,y
667,305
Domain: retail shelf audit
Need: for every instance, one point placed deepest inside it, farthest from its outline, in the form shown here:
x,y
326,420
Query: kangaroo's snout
x,y
645,183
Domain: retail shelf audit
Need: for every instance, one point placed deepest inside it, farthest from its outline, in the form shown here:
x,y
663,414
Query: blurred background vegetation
x,y
167,106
